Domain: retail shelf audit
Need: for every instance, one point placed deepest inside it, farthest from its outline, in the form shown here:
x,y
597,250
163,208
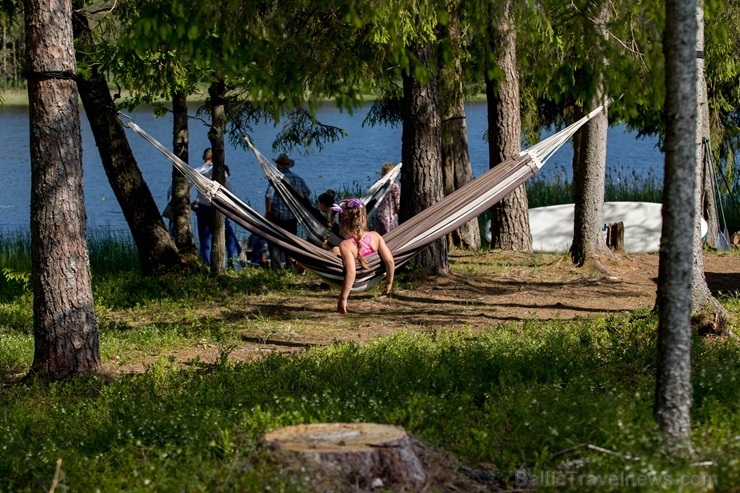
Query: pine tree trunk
x,y
704,305
421,175
589,174
182,227
4,72
509,217
456,168
153,242
673,379
708,201
217,91
65,323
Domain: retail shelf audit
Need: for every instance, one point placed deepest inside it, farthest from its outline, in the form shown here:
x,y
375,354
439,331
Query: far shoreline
x,y
20,98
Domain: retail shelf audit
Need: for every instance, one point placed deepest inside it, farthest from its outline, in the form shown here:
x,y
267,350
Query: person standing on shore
x,y
277,211
204,214
386,212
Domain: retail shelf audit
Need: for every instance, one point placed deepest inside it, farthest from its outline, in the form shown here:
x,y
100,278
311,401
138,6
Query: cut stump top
x,y
336,437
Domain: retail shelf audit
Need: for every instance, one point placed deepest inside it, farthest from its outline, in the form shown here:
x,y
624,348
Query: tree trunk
x,y
707,195
456,168
704,305
4,71
673,379
153,241
369,456
589,174
182,229
65,323
510,216
217,91
421,175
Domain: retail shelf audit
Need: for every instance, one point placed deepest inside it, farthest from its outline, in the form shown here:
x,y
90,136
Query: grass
x,y
512,401
562,405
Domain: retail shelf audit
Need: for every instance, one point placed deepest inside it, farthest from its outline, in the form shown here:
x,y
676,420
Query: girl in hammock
x,y
358,244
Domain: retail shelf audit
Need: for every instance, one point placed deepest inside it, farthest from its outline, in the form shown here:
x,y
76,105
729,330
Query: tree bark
x,y
704,305
182,230
217,92
708,201
509,217
153,241
65,323
589,174
368,455
456,167
673,379
421,152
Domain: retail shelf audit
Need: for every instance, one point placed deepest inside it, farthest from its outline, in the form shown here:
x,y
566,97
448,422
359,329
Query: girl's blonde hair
x,y
352,223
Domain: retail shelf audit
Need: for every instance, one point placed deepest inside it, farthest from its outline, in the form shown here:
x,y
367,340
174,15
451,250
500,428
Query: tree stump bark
x,y
615,236
368,455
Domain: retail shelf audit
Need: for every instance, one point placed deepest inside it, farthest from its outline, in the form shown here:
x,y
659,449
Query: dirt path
x,y
484,290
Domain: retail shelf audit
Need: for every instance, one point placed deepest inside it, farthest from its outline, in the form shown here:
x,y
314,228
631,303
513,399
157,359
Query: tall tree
x,y
153,242
673,382
510,216
710,314
589,156
66,334
456,167
421,175
217,92
182,230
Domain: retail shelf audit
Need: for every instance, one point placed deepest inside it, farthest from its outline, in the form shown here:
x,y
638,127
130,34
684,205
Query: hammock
x,y
310,217
409,237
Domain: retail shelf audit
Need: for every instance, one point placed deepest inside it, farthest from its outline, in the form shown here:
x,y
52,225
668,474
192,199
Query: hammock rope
x,y
406,240
309,217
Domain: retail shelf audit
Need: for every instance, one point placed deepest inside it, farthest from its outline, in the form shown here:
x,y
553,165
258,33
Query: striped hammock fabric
x,y
406,240
308,216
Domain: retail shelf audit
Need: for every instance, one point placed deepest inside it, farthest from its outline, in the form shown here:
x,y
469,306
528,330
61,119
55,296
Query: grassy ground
x,y
497,396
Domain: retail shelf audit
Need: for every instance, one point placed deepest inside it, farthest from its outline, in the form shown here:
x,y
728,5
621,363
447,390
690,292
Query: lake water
x,y
350,163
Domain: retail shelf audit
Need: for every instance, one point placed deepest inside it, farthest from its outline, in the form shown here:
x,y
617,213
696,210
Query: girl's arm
x,y
390,264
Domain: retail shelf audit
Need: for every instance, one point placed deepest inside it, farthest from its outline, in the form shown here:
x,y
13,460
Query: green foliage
x,y
513,397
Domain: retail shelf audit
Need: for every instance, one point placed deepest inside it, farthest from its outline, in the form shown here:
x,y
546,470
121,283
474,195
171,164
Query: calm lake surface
x,y
351,163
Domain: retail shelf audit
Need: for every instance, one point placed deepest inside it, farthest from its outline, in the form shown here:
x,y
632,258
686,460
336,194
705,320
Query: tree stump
x,y
368,455
615,236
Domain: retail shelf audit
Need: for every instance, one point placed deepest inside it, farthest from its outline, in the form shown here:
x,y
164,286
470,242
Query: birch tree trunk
x,y
707,196
65,323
